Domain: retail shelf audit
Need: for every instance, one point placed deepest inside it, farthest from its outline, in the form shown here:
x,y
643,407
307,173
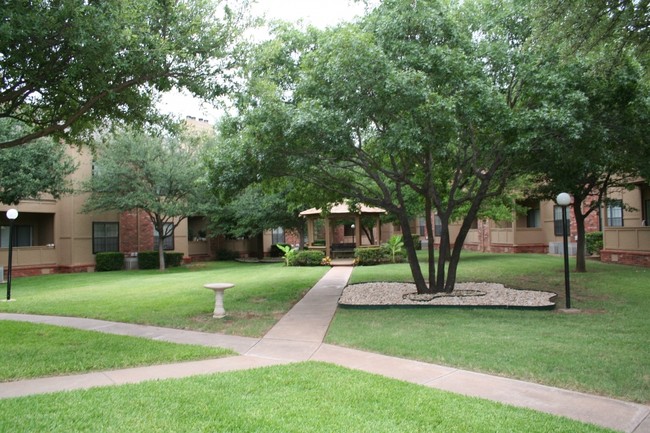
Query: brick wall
x,y
636,258
136,232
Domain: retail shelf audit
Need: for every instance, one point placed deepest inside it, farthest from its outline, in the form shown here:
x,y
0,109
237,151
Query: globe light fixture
x,y
12,214
563,199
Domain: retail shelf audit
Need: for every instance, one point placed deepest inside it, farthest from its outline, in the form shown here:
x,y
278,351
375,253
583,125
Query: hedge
x,y
109,262
149,259
307,258
371,256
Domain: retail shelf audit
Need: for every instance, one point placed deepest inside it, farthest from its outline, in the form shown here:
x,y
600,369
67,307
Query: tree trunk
x,y
428,215
444,252
581,262
259,246
409,245
161,250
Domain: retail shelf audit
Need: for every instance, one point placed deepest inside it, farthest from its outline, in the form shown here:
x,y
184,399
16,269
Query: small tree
x,y
160,175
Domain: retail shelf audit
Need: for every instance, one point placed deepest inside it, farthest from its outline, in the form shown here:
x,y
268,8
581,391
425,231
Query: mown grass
x,y
175,298
35,350
604,349
307,397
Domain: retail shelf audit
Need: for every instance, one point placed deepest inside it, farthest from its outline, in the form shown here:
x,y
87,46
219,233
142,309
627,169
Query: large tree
x,y
27,171
589,101
596,146
161,175
397,104
69,66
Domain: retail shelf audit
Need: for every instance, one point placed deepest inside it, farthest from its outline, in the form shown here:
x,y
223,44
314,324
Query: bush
x,y
109,262
149,259
277,252
371,256
319,243
223,254
417,242
173,259
307,258
594,242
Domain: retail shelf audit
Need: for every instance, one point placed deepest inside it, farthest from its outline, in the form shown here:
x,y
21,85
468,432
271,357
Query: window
x,y
106,237
277,236
168,242
533,219
615,213
422,226
22,236
348,229
557,221
437,226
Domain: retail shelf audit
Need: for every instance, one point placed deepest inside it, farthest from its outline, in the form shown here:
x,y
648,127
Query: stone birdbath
x,y
218,289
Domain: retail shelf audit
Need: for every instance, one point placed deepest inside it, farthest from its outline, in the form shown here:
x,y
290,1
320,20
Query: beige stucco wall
x,y
634,235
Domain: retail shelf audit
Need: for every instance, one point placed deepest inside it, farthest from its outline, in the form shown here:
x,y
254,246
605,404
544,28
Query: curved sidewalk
x,y
298,336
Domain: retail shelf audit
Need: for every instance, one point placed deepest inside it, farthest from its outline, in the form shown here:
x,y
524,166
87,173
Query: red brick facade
x,y
136,232
637,258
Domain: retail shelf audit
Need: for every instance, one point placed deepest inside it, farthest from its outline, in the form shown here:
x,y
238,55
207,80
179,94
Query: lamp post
x,y
564,200
12,214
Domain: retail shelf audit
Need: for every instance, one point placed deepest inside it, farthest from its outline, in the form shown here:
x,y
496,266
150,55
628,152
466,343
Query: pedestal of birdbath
x,y
218,289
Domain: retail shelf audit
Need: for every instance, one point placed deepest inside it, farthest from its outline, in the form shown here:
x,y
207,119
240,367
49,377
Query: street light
x,y
12,214
563,199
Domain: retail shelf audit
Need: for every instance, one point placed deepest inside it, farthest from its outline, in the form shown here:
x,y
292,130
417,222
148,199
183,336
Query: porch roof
x,y
344,209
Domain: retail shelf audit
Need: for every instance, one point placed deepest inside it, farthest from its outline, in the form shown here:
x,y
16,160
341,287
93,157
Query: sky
x,y
319,13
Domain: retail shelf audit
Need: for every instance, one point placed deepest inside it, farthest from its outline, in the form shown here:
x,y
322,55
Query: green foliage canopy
x,y
27,171
69,66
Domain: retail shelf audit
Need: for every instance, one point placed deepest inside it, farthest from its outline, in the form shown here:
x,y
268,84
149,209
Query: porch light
x,y
563,199
12,214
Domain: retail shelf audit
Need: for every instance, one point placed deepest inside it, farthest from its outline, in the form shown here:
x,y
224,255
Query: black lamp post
x,y
12,214
564,200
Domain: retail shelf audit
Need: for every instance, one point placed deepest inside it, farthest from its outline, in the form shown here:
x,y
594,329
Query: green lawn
x,y
34,350
175,298
307,397
605,349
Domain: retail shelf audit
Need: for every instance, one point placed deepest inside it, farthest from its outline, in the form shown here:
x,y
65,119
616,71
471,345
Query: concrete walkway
x,y
299,335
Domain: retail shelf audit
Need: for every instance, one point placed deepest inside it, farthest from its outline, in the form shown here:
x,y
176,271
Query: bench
x,y
342,250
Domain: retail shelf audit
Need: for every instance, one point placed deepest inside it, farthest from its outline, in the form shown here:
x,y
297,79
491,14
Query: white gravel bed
x,y
464,294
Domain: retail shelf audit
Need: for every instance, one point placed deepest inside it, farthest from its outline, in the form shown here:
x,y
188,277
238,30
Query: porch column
x,y
378,230
310,231
357,230
328,236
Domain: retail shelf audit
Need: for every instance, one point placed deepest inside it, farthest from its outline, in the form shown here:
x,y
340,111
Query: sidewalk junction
x,y
299,335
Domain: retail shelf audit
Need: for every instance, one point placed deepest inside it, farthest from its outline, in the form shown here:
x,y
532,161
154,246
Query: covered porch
x,y
341,229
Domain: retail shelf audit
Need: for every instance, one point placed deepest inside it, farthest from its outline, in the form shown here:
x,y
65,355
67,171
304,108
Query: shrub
x,y
594,242
289,253
173,259
307,258
109,262
370,256
149,259
319,243
417,242
276,251
395,247
224,254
